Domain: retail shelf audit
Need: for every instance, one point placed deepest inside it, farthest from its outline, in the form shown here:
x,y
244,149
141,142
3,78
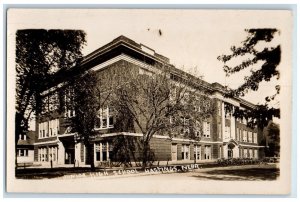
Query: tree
x,y
159,104
273,134
270,58
87,97
86,102
41,55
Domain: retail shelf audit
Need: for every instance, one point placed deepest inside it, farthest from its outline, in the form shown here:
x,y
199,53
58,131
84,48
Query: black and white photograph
x,y
155,101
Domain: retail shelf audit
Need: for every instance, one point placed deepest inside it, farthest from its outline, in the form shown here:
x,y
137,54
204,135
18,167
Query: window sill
x,y
41,138
110,127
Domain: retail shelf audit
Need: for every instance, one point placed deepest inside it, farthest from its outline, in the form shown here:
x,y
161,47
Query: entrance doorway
x,y
230,153
232,150
69,156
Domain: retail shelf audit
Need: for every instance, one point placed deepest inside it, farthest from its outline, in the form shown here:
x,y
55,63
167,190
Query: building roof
x,y
30,136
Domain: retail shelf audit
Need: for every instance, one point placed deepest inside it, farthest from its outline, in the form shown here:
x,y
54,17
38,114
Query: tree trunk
x,y
145,156
262,141
90,154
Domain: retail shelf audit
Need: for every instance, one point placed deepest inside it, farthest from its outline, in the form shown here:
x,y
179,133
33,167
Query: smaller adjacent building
x,y
25,148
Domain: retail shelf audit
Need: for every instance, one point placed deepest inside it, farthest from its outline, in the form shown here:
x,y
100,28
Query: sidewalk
x,y
69,172
155,164
220,173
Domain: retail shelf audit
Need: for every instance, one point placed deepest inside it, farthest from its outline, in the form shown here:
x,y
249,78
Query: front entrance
x,y
67,149
230,153
69,156
232,150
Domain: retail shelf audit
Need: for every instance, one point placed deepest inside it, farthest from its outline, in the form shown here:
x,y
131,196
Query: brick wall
x,y
215,151
179,155
36,153
161,148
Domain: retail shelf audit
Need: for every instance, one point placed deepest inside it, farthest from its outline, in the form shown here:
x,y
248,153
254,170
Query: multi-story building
x,y
224,136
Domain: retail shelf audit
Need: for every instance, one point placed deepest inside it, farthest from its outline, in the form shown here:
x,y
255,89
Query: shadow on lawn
x,y
249,174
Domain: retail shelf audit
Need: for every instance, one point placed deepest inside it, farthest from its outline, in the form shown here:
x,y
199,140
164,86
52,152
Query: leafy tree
x,y
273,134
87,97
86,102
40,56
160,105
270,59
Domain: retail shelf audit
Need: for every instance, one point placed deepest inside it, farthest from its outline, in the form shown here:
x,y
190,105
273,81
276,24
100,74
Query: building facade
x,y
224,136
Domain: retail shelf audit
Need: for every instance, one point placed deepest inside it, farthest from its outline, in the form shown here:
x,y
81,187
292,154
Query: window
x,y
185,130
250,136
244,136
49,128
82,152
245,153
110,122
255,137
52,153
43,129
53,101
43,154
207,152
237,133
197,129
197,152
227,132
22,137
22,152
185,152
102,150
186,125
250,153
45,104
197,103
69,103
40,130
52,128
97,150
104,119
220,151
255,155
206,129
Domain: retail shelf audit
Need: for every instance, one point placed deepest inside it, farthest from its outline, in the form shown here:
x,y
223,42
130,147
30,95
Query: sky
x,y
192,39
